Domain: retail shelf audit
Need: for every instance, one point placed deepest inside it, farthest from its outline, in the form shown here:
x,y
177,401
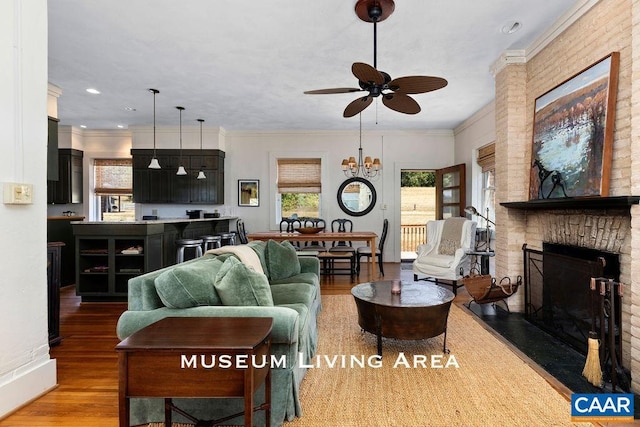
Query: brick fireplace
x,y
596,225
611,224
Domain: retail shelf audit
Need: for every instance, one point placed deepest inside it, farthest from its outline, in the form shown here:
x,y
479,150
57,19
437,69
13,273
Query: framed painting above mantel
x,y
573,134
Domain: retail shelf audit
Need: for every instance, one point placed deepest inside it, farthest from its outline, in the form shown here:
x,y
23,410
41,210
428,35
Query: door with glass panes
x,y
450,191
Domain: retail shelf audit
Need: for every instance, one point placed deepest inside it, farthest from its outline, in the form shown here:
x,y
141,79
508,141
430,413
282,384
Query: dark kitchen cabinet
x,y
68,187
164,186
52,150
53,291
108,255
211,189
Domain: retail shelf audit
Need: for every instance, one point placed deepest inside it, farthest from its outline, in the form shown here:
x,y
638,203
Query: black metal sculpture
x,y
543,175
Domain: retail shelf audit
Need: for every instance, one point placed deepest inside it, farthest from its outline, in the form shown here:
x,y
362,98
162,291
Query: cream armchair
x,y
444,256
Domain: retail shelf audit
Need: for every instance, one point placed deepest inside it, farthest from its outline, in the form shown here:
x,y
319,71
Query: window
x,y
113,189
299,187
487,161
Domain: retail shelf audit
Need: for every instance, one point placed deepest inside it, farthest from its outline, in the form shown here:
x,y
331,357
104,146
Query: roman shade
x,y
113,176
487,157
299,176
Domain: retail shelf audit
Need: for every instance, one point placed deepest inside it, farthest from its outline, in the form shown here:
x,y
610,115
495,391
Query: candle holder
x,y
396,287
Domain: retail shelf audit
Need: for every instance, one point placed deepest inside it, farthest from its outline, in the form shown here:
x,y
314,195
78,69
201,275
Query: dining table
x,y
322,236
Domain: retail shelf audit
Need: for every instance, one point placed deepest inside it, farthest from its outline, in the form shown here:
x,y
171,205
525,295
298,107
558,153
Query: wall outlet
x,y
18,194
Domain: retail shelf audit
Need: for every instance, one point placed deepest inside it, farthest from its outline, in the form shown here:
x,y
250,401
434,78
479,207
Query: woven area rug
x,y
490,386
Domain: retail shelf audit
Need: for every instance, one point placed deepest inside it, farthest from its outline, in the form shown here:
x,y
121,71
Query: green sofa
x,y
226,285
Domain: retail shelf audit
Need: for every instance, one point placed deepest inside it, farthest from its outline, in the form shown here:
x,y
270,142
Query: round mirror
x,y
356,196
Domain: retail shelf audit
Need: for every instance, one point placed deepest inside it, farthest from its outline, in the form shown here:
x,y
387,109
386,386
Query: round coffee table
x,y
420,311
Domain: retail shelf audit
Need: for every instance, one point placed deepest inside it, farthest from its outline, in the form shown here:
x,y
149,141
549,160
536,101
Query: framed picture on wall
x,y
248,192
573,134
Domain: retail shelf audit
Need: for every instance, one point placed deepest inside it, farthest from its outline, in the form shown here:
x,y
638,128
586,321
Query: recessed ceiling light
x,y
120,126
129,108
511,27
93,91
83,126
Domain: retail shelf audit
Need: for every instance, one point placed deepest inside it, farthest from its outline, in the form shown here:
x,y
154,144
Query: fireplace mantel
x,y
575,203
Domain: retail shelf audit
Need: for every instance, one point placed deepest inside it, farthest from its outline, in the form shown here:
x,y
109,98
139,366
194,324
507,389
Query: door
x,y
450,191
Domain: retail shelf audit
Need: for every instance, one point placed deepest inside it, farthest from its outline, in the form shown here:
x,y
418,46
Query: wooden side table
x,y
175,357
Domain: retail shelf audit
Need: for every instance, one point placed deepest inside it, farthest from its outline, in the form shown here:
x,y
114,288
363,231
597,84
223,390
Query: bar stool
x,y
182,244
210,242
227,238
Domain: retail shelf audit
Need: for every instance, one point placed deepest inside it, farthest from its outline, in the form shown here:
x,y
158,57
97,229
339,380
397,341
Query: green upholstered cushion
x,y
260,248
291,293
189,285
282,260
238,285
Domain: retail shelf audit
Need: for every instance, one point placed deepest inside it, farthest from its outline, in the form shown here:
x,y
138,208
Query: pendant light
x,y
154,160
201,174
181,170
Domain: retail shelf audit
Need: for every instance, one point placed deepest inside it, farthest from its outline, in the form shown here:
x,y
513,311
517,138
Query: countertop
x,y
157,221
65,217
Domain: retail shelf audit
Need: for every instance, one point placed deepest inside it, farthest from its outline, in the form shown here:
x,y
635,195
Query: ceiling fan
x,y
394,92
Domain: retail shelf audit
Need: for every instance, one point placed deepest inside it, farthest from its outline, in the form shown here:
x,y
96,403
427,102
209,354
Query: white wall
x,y
251,155
475,132
26,370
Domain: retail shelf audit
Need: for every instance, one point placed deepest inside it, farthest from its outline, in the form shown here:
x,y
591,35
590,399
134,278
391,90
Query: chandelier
x,y
365,168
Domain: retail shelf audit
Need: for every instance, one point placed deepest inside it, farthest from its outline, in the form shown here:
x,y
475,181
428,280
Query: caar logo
x,y
602,407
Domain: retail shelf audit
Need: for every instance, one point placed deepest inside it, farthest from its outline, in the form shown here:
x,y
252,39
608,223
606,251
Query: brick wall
x,y
611,25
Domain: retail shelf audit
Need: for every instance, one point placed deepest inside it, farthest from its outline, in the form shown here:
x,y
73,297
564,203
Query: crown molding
x,y
54,90
561,24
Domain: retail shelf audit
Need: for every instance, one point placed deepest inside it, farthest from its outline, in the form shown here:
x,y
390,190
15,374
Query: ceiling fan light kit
x,y
395,92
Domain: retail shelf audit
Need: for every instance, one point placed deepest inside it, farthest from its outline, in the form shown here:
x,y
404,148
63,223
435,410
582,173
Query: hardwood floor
x,y
87,391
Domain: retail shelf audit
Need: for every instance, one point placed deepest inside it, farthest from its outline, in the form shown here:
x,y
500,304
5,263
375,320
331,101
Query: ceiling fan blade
x,y
357,106
333,90
366,73
416,84
401,103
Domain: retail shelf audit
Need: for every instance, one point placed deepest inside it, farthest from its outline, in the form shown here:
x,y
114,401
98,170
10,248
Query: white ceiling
x,y
243,65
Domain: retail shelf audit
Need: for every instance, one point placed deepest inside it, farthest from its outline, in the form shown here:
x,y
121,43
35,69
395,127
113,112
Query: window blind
x,y
299,176
487,158
113,176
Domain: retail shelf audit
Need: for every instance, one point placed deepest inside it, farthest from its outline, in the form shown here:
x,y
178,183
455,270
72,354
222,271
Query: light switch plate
x,y
18,194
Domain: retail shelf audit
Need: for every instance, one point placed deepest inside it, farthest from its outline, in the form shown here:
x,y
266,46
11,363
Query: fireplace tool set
x,y
605,337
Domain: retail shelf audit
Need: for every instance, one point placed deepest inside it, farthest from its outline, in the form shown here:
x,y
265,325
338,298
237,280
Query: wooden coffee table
x,y
174,356
420,311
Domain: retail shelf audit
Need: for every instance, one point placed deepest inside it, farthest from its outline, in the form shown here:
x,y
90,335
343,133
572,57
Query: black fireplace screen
x,y
557,293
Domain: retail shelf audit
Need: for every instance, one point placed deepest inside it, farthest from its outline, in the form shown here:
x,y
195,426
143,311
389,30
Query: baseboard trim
x,y
27,387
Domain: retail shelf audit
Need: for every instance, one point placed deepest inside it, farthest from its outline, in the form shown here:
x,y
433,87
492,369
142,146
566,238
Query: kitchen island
x,y
109,253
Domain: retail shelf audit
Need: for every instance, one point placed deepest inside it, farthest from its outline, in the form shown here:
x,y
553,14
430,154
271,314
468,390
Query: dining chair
x,y
342,225
367,250
289,225
339,250
314,245
242,234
